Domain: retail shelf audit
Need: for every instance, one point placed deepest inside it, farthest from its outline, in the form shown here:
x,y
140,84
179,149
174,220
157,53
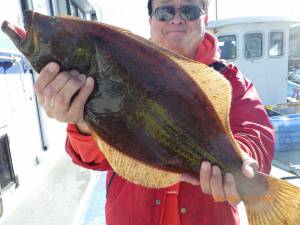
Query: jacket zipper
x,y
109,183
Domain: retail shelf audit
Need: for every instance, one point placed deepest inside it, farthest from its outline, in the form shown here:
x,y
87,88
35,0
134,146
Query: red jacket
x,y
128,203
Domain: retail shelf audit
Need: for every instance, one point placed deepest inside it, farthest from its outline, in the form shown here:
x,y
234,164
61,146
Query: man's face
x,y
178,34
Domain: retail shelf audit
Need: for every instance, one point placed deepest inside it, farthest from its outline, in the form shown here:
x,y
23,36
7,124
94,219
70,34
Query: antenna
x,y
216,9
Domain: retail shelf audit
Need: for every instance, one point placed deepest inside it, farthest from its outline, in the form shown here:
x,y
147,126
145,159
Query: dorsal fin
x,y
214,85
216,88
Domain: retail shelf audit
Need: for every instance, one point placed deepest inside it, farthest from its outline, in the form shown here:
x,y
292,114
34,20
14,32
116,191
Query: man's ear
x,y
206,20
150,25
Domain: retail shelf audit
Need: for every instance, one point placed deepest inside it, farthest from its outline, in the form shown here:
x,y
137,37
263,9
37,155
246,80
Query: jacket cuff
x,y
84,150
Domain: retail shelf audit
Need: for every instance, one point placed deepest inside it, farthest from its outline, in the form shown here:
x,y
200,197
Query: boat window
x,y
253,45
227,44
6,168
275,44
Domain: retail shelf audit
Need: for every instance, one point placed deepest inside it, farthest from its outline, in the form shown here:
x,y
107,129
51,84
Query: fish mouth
x,y
17,33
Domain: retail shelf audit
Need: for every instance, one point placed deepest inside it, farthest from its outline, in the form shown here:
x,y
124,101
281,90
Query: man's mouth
x,y
176,31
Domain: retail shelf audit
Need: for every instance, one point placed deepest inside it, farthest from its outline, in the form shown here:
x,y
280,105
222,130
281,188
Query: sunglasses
x,y
187,12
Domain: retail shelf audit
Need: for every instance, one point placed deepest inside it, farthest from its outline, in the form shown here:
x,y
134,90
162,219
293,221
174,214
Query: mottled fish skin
x,y
144,104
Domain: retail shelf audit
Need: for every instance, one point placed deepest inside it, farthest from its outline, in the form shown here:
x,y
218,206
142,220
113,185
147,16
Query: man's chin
x,y
177,48
174,42
176,39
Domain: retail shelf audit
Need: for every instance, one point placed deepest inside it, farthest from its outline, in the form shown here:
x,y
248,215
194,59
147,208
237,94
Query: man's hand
x,y
63,94
221,188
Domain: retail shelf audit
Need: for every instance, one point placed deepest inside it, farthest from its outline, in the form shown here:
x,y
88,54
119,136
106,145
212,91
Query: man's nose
x,y
177,19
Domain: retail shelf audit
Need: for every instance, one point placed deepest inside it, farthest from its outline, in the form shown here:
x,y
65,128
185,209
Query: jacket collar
x,y
208,51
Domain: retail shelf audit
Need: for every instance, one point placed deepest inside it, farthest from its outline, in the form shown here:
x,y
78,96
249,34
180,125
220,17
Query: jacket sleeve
x,y
249,122
84,151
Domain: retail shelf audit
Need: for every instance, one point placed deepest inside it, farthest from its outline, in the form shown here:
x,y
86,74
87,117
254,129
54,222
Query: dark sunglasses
x,y
186,12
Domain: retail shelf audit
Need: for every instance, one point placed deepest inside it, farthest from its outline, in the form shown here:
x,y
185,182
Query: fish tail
x,y
279,206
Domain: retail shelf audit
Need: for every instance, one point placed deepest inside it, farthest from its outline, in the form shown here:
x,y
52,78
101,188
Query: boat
x,y
26,134
266,51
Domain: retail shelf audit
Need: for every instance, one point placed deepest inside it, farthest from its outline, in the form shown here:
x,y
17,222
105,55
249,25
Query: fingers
x,y
216,185
82,96
63,94
53,88
205,176
221,188
230,190
62,98
47,74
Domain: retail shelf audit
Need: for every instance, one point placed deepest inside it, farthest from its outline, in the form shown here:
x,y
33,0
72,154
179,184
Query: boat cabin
x,y
259,46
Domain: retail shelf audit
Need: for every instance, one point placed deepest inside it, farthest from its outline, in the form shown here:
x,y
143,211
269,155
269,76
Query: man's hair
x,y
205,6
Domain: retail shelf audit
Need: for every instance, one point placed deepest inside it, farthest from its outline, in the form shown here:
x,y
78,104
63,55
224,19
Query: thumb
x,y
250,167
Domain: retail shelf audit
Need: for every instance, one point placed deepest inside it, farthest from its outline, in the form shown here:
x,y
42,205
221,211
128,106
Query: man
x,y
180,26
